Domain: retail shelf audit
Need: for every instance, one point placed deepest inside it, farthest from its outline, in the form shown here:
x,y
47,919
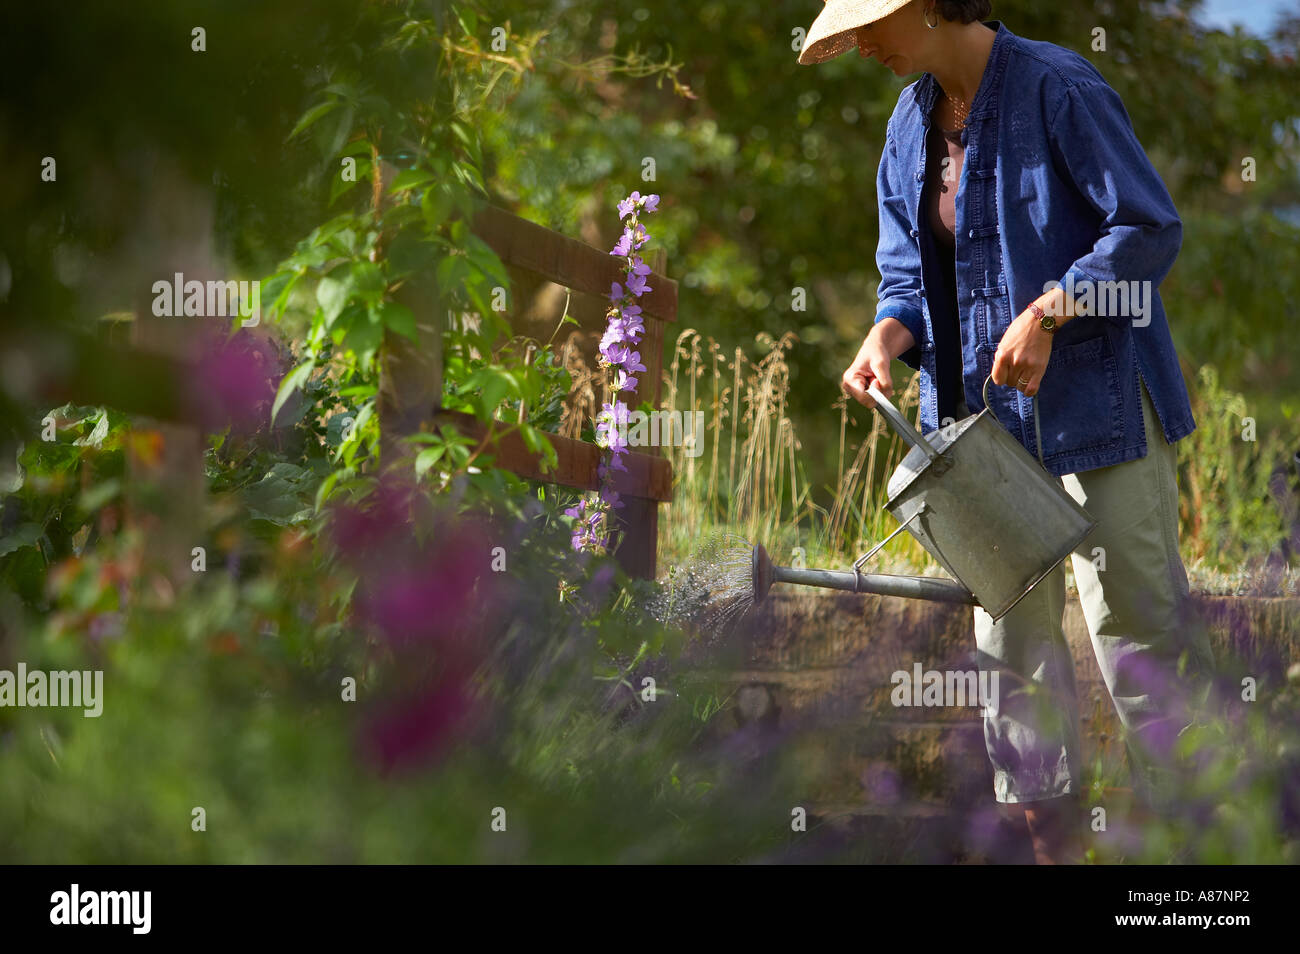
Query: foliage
x,y
492,665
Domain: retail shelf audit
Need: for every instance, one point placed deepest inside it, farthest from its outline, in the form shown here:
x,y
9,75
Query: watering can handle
x,y
1038,434
904,428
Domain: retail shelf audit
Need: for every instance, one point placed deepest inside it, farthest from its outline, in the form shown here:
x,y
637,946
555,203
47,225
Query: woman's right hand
x,y
888,339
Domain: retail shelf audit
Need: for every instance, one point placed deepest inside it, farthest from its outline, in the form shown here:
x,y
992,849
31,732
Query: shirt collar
x,y
927,89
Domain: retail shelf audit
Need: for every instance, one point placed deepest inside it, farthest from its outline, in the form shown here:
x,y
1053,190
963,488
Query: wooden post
x,y
165,485
410,372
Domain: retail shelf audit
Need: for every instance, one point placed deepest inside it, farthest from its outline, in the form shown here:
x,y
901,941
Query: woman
x,y
1023,233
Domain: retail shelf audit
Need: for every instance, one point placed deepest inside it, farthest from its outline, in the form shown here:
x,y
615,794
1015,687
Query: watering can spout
x,y
854,581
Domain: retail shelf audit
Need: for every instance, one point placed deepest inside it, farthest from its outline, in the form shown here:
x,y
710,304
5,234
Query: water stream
x,y
713,589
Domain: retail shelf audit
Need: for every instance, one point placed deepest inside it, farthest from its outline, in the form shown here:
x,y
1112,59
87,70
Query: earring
x,y
934,25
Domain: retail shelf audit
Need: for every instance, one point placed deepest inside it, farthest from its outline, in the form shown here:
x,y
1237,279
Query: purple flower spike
x,y
625,327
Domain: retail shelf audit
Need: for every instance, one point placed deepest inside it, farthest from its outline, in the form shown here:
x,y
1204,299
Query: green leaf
x,y
400,214
95,497
363,390
410,179
437,205
451,272
331,141
322,233
468,21
332,292
345,241
427,458
354,148
96,437
482,256
292,381
365,337
313,114
368,280
497,384
337,425
25,535
399,319
340,186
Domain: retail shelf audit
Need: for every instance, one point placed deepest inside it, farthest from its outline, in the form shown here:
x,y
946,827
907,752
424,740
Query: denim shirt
x,y
1055,188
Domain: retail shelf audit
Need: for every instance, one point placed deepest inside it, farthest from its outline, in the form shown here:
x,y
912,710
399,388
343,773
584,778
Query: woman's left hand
x,y
1022,354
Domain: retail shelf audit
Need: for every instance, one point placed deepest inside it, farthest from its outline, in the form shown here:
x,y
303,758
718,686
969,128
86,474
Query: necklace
x,y
959,108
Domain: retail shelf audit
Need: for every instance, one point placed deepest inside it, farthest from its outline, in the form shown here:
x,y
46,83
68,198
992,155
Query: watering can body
x,y
972,496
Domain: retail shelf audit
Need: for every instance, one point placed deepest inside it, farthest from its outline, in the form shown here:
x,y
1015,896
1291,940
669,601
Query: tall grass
x,y
751,477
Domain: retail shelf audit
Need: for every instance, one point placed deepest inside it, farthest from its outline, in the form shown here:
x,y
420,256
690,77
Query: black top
x,y
938,204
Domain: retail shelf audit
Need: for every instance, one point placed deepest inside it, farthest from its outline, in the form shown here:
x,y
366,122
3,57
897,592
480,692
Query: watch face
x,y
1049,322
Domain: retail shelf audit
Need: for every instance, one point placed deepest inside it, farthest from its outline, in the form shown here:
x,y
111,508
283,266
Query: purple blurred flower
x,y
234,383
413,730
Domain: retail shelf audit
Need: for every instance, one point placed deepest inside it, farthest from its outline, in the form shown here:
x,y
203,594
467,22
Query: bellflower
x,y
625,328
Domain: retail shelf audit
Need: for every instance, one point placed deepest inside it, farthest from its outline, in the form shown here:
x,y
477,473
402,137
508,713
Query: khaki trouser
x,y
1140,620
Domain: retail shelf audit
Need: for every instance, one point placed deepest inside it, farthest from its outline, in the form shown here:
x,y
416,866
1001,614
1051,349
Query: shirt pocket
x,y
1080,405
993,312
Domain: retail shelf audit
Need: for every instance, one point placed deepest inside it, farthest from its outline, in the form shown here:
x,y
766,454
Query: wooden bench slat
x,y
648,476
567,261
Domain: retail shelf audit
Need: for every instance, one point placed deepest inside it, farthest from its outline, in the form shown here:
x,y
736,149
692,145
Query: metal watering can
x,y
974,498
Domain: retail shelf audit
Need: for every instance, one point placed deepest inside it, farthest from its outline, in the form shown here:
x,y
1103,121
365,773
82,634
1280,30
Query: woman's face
x,y
898,40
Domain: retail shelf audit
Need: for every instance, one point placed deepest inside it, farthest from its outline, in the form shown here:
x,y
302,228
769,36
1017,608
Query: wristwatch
x,y
1045,321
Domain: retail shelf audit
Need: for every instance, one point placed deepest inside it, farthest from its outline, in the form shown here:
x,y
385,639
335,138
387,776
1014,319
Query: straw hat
x,y
832,32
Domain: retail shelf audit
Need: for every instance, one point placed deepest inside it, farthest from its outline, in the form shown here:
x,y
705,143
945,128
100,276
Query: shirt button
x,y
915,233
972,233
920,177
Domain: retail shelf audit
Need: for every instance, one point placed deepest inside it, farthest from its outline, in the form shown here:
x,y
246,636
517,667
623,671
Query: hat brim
x,y
832,33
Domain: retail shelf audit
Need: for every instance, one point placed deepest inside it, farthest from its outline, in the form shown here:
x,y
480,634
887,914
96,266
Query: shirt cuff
x,y
912,320
909,315
1073,284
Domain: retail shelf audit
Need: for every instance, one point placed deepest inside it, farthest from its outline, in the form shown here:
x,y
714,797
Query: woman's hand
x,y
888,339
1025,348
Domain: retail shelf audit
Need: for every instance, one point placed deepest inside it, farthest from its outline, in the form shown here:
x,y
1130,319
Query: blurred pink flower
x,y
234,383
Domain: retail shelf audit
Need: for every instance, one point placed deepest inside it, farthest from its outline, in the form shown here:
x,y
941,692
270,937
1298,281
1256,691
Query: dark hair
x,y
965,11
